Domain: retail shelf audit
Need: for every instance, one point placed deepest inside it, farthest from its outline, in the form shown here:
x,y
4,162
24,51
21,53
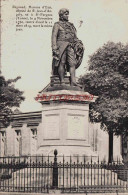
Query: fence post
x,y
55,171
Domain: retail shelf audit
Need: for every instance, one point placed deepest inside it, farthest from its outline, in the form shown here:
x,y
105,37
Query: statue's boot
x,y
73,83
61,72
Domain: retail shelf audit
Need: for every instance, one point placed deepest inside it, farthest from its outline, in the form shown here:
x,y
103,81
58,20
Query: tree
x,y
9,97
107,79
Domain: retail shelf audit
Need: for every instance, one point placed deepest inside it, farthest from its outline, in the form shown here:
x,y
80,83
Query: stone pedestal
x,y
65,123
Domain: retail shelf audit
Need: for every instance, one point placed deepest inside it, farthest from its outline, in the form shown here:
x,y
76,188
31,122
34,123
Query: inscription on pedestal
x,y
51,127
76,127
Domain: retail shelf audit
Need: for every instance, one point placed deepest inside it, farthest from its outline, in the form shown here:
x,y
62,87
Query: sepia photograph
x,y
64,97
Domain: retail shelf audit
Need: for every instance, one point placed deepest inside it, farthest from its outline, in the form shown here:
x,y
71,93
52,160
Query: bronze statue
x,y
66,47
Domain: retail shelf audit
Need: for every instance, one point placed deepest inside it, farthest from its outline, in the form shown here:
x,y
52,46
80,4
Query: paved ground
x,y
57,192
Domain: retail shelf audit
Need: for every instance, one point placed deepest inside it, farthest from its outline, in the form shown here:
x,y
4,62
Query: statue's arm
x,y
75,32
54,37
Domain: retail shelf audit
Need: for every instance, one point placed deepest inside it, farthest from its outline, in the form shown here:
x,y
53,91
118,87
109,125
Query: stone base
x,y
65,87
56,85
65,122
67,151
65,128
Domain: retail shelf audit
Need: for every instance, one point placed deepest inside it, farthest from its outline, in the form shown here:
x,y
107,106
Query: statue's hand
x,y
56,54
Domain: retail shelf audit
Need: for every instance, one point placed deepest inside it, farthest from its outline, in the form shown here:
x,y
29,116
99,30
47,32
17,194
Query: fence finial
x,y
55,152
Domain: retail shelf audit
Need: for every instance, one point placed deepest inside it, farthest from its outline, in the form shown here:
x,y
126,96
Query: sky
x,y
28,53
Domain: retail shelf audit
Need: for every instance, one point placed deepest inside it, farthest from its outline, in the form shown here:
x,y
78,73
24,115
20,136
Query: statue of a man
x,y
67,49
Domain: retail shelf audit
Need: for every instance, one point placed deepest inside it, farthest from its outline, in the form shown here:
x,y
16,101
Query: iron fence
x,y
69,174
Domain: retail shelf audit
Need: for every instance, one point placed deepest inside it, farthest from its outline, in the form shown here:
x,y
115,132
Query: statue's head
x,y
63,14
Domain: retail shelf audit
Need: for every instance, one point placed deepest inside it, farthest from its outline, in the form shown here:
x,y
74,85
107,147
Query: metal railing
x,y
69,174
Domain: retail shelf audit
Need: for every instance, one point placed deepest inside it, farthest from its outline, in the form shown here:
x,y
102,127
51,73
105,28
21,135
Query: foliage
x,y
9,97
107,79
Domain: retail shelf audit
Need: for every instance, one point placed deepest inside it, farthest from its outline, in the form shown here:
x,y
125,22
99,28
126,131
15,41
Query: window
x,y
33,141
17,142
34,132
2,143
